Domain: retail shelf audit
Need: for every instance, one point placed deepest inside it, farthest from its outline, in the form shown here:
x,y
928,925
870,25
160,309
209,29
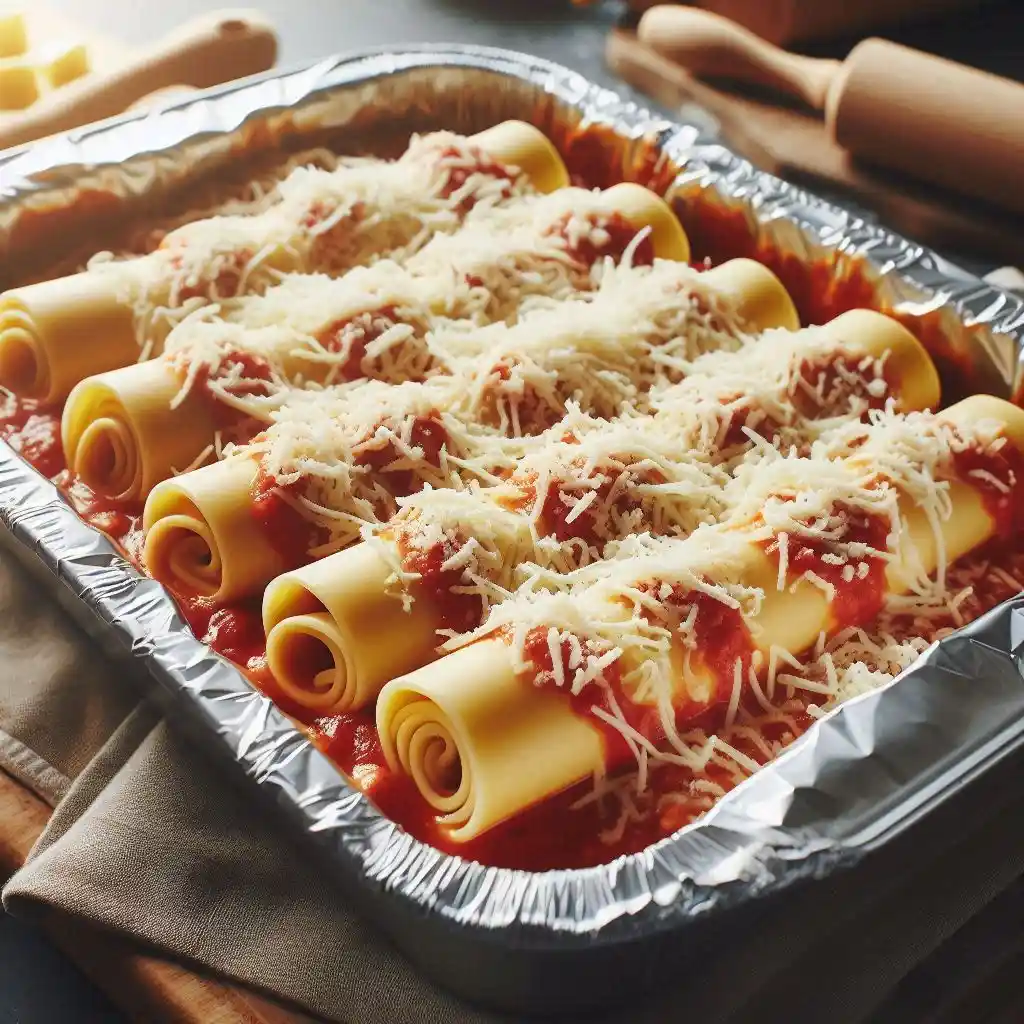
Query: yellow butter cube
x,y
13,38
63,63
19,87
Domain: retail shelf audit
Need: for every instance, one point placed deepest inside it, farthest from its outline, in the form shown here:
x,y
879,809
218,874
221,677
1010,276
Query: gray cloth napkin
x,y
150,840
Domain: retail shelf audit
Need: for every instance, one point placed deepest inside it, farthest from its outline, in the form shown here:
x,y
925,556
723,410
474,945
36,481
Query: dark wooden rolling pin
x,y
886,104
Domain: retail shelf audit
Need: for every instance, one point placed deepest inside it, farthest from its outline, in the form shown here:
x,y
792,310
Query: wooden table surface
x,y
146,988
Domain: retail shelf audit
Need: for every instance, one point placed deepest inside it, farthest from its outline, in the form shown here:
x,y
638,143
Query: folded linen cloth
x,y
149,839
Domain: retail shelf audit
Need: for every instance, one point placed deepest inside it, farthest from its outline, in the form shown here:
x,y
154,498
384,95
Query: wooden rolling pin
x,y
214,48
886,104
789,21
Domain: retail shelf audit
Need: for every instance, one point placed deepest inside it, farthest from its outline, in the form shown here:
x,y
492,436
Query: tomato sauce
x,y
1004,501
460,166
460,612
256,380
327,243
736,435
119,520
620,234
427,433
721,639
33,430
835,382
350,337
858,600
291,534
224,285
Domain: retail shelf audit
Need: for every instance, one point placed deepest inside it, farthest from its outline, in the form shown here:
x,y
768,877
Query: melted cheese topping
x,y
603,481
604,351
326,220
342,456
779,387
506,259
487,542
915,453
475,547
640,608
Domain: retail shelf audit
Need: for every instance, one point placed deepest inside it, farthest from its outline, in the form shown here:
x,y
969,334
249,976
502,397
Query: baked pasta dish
x,y
548,531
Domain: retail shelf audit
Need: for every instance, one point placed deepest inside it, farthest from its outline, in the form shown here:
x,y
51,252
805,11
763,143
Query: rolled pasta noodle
x,y
545,247
752,294
126,430
447,554
203,538
122,435
479,742
54,334
462,726
640,328
332,645
608,481
225,530
643,210
527,149
793,385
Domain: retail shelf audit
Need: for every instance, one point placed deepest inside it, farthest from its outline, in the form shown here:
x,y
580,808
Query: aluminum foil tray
x,y
561,940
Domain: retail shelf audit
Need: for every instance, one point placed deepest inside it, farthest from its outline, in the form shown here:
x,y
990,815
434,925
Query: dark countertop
x,y
37,984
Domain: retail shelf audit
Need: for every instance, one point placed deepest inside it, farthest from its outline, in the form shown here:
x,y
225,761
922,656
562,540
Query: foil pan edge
x,y
796,818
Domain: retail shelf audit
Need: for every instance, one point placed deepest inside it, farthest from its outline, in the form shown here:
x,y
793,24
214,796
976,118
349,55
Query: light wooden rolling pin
x,y
790,21
937,121
215,48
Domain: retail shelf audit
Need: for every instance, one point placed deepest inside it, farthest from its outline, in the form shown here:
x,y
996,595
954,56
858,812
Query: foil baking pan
x,y
846,792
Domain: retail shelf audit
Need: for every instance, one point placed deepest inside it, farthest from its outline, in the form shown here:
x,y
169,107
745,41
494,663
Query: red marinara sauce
x,y
33,431
619,236
554,521
256,374
858,600
350,337
224,285
460,612
998,476
832,383
290,533
721,641
427,433
461,165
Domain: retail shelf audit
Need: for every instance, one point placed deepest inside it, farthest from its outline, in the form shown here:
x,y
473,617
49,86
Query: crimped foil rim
x,y
771,831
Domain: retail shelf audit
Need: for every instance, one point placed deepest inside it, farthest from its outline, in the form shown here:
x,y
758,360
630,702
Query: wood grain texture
x,y
148,989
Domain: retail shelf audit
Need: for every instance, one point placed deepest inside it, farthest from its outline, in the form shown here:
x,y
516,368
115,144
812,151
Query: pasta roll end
x,y
123,432
342,611
760,298
307,657
481,743
56,333
21,368
980,408
914,376
202,537
519,144
643,208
